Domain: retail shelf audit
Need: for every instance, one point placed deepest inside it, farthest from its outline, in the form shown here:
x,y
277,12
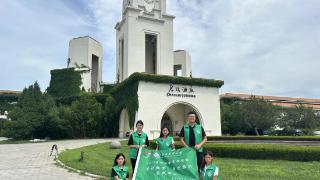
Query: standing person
x,y
119,170
209,171
136,140
54,148
193,135
165,141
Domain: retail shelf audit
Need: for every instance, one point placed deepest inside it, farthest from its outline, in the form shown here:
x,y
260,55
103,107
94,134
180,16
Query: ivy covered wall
x,y
65,83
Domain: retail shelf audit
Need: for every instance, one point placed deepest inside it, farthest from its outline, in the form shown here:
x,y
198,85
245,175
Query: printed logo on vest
x,y
156,155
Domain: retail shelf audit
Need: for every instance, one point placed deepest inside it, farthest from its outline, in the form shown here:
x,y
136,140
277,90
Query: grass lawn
x,y
99,160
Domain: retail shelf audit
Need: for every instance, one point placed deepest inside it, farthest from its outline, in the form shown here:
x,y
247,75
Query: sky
x,y
263,47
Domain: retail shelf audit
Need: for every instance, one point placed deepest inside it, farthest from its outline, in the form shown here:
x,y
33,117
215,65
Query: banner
x,y
180,164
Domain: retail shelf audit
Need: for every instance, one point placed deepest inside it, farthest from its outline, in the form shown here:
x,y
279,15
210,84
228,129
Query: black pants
x,y
199,160
133,164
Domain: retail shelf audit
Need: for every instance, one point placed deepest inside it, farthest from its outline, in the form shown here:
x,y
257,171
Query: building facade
x,y
145,44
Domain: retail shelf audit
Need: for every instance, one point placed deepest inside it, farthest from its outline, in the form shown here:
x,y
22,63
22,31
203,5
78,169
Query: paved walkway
x,y
32,161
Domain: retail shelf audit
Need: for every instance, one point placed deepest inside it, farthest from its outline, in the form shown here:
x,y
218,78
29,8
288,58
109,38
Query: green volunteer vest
x,y
209,172
121,174
165,144
197,133
137,140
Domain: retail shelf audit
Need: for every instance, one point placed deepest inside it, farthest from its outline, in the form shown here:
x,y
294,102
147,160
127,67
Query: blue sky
x,y
267,47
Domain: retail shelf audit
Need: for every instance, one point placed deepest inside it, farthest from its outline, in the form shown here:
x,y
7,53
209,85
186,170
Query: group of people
x,y
191,135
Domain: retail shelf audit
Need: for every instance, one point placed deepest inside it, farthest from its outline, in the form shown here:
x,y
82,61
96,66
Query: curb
x,y
79,171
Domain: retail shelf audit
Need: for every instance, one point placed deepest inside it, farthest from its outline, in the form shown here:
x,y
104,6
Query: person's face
x,y
139,127
120,161
192,118
208,159
165,132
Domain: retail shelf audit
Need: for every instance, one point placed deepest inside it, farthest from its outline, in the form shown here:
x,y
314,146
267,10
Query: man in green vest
x,y
193,135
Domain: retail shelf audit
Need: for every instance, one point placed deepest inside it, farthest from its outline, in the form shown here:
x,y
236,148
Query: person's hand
x,y
137,146
197,146
144,146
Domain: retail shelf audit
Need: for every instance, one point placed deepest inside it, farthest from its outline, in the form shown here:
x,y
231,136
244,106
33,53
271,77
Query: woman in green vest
x,y
119,170
136,140
209,171
165,142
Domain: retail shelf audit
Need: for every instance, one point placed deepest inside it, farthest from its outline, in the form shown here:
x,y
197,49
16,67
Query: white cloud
x,y
34,40
262,47
257,46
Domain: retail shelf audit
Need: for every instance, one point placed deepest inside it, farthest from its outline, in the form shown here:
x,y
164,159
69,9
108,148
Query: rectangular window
x,y
151,54
94,73
177,70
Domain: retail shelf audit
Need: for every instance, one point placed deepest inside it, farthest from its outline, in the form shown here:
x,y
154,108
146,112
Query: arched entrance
x,y
175,116
124,127
166,122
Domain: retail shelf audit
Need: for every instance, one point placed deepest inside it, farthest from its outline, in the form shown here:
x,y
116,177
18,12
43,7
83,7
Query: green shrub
x,y
265,151
276,138
261,151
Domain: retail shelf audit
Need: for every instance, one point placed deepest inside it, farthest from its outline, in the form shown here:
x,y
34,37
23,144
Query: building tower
x,y
85,53
144,39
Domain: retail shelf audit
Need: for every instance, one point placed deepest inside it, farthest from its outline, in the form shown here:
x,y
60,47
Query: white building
x,y
144,44
85,53
145,41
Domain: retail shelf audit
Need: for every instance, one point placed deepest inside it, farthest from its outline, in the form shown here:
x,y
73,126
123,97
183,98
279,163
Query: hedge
x,y
275,138
261,151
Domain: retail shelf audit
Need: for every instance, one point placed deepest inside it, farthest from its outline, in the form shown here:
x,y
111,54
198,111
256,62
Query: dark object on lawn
x,y
82,156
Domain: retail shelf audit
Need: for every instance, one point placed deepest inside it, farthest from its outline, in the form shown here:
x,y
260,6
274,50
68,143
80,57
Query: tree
x,y
110,124
232,118
259,114
34,116
300,117
243,116
84,116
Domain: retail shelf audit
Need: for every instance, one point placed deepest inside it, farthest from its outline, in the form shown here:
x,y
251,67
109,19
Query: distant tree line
x,y
41,115
255,116
78,114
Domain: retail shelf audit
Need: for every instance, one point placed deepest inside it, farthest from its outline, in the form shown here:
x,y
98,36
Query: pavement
x,y
32,160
